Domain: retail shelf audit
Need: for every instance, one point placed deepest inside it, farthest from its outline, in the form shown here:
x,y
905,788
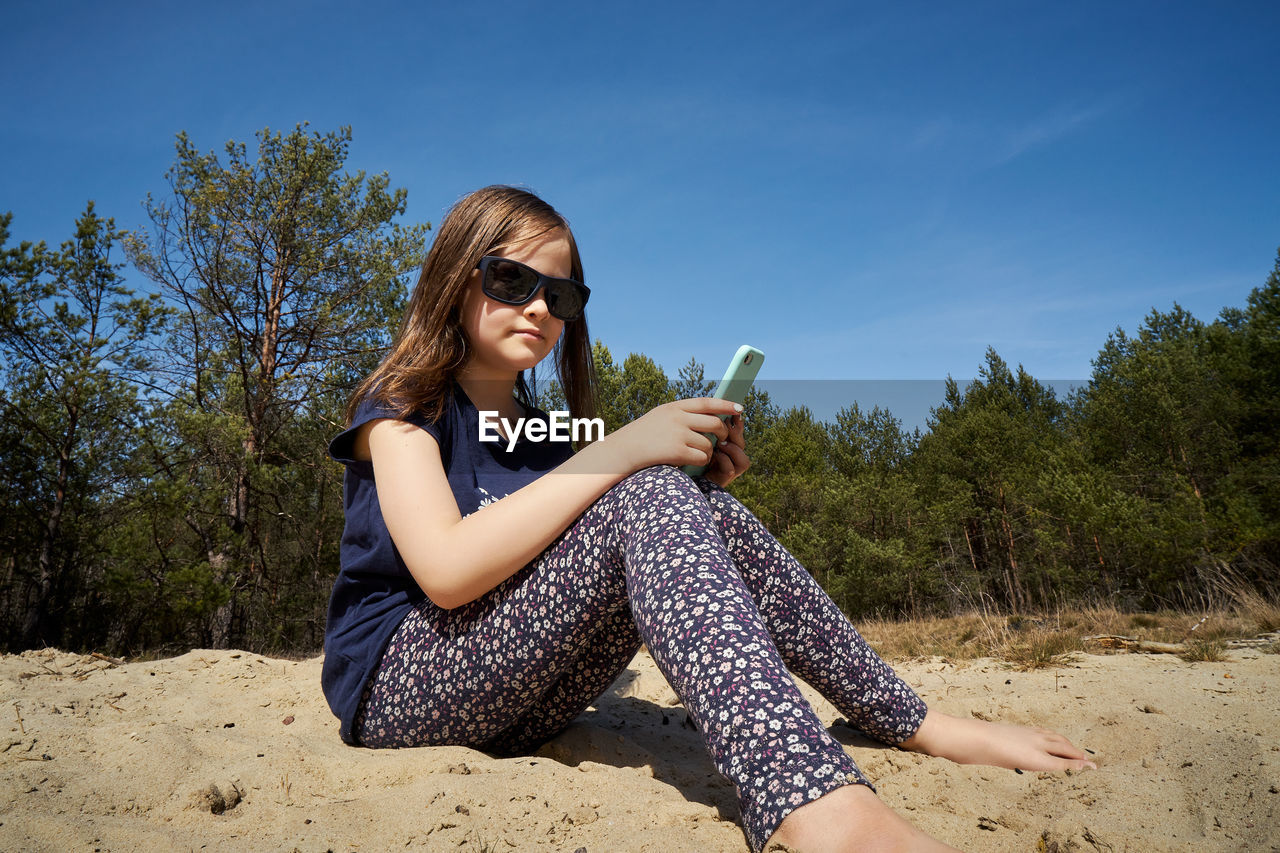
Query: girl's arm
x,y
456,560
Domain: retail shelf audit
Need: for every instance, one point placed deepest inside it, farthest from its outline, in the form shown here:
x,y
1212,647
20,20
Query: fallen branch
x,y
1133,644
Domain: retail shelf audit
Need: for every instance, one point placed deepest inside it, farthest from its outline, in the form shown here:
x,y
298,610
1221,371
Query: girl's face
x,y
506,339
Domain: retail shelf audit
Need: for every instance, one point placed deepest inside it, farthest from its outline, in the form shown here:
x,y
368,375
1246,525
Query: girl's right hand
x,y
672,434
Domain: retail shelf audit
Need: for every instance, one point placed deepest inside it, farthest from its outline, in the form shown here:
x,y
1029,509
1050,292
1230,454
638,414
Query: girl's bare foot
x,y
851,818
970,741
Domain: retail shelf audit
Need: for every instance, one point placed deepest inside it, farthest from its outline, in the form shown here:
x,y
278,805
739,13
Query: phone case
x,y
733,386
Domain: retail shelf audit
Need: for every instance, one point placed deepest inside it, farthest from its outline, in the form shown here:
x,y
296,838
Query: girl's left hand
x,y
729,460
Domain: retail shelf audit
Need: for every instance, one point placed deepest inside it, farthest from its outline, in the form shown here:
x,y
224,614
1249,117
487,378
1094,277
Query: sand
x,y
226,750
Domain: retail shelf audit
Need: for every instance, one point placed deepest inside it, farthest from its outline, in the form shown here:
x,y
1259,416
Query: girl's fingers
x,y
1069,751
699,442
730,462
722,471
736,428
1069,756
709,423
709,406
723,464
736,455
1057,744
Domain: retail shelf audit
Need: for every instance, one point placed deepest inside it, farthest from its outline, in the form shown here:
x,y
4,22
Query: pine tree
x,y
289,273
73,343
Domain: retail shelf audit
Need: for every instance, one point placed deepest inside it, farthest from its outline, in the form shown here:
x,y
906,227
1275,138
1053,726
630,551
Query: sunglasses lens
x,y
510,282
565,300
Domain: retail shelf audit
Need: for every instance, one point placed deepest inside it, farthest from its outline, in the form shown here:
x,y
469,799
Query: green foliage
x,y
609,388
984,452
643,386
691,381
783,486
629,392
1181,417
72,358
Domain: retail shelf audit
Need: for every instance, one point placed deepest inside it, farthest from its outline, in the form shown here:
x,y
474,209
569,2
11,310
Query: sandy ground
x,y
225,750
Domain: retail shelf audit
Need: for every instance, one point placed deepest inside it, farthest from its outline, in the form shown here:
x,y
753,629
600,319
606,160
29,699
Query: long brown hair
x,y
431,347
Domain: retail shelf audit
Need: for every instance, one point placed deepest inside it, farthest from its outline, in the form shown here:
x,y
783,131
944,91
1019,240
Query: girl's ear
x,y
470,293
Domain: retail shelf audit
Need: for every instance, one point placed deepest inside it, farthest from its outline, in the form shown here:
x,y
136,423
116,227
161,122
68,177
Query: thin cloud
x,y
1049,128
996,141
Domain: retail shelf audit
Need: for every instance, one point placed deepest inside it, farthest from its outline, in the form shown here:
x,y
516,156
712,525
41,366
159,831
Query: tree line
x,y
165,481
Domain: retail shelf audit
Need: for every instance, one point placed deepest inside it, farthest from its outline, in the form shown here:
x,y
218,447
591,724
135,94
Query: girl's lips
x,y
530,333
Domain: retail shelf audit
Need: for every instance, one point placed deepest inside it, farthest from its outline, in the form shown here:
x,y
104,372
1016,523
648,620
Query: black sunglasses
x,y
513,283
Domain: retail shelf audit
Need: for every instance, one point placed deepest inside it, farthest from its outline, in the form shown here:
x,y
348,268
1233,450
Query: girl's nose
x,y
536,307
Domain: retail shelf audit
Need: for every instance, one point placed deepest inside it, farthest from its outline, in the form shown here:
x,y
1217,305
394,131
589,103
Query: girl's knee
x,y
661,486
728,509
664,482
661,477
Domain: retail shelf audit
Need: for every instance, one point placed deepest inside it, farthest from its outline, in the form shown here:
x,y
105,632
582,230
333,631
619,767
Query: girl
x,y
489,595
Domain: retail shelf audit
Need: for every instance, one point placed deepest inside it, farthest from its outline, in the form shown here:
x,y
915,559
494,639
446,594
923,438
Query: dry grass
x,y
1205,650
1050,639
1255,607
1027,642
1041,649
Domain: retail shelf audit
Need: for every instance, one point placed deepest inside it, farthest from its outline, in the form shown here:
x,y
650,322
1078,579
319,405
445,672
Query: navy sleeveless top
x,y
374,590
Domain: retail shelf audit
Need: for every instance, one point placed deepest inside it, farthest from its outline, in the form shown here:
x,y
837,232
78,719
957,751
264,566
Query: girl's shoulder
x,y
344,446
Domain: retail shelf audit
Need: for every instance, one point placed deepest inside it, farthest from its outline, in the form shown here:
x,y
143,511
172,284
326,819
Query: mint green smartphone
x,y
734,386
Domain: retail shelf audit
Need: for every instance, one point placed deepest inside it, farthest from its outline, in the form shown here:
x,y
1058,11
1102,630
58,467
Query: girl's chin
x,y
521,365
533,354
514,356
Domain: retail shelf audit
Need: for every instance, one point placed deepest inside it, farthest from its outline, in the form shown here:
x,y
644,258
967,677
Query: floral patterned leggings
x,y
725,610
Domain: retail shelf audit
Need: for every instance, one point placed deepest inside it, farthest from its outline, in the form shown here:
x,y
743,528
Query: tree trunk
x,y
1102,565
35,627
227,564
969,542
1013,580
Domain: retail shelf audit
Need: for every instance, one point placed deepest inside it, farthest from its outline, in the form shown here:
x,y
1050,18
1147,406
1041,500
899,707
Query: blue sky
x,y
863,192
